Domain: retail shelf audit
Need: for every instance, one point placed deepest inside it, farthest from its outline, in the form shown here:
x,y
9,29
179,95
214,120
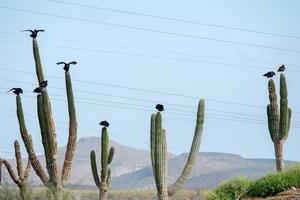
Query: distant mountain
x,y
131,168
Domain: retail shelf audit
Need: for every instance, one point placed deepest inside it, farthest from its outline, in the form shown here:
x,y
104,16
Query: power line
x,y
152,50
241,66
178,20
151,30
144,90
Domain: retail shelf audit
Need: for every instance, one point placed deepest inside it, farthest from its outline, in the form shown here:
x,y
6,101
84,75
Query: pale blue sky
x,y
154,61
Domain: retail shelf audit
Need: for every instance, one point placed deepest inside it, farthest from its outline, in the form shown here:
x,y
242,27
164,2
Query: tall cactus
x,y
278,122
107,154
22,178
56,178
159,154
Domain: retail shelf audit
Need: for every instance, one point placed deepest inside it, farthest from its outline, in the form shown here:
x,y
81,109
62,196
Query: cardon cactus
x,y
159,154
21,180
57,178
107,154
278,121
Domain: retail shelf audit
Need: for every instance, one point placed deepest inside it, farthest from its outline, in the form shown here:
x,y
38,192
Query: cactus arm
x,y
19,160
51,139
111,155
165,163
273,113
193,151
37,59
1,164
152,141
28,143
108,179
158,153
104,154
43,129
94,168
72,131
270,123
290,117
27,170
284,110
11,172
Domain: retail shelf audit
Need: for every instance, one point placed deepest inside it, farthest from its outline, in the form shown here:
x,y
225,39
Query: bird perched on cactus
x,y
103,182
160,107
281,68
34,32
159,154
269,74
16,91
43,85
67,65
104,123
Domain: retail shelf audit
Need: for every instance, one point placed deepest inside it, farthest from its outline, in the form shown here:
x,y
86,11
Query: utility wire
x,y
184,35
152,50
241,66
177,19
143,90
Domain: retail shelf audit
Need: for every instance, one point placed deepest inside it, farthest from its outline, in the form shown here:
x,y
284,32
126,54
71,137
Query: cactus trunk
x,y
107,154
279,155
278,121
159,159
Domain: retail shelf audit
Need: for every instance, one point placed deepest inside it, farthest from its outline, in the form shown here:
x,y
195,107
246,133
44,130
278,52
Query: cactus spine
x,y
21,180
278,122
56,178
159,154
103,182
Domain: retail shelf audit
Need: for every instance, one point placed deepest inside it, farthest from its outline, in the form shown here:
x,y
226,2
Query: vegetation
x,y
159,154
21,180
56,179
10,193
279,122
269,185
106,159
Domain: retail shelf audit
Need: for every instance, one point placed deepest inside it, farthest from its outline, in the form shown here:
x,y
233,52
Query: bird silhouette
x,y
104,123
44,84
269,74
38,90
34,32
159,107
281,68
67,65
16,91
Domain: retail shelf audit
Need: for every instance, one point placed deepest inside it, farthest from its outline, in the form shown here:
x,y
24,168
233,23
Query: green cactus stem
x,y
21,180
278,121
57,178
159,155
107,154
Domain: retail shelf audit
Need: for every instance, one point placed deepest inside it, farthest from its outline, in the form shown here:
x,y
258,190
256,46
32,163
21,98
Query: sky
x,y
133,54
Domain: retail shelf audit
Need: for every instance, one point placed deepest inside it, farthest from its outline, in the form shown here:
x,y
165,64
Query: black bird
x,y
44,84
67,65
159,107
16,91
269,74
281,68
38,90
34,32
104,123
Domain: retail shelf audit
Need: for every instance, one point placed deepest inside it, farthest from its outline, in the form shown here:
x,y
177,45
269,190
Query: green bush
x,y
230,190
272,184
